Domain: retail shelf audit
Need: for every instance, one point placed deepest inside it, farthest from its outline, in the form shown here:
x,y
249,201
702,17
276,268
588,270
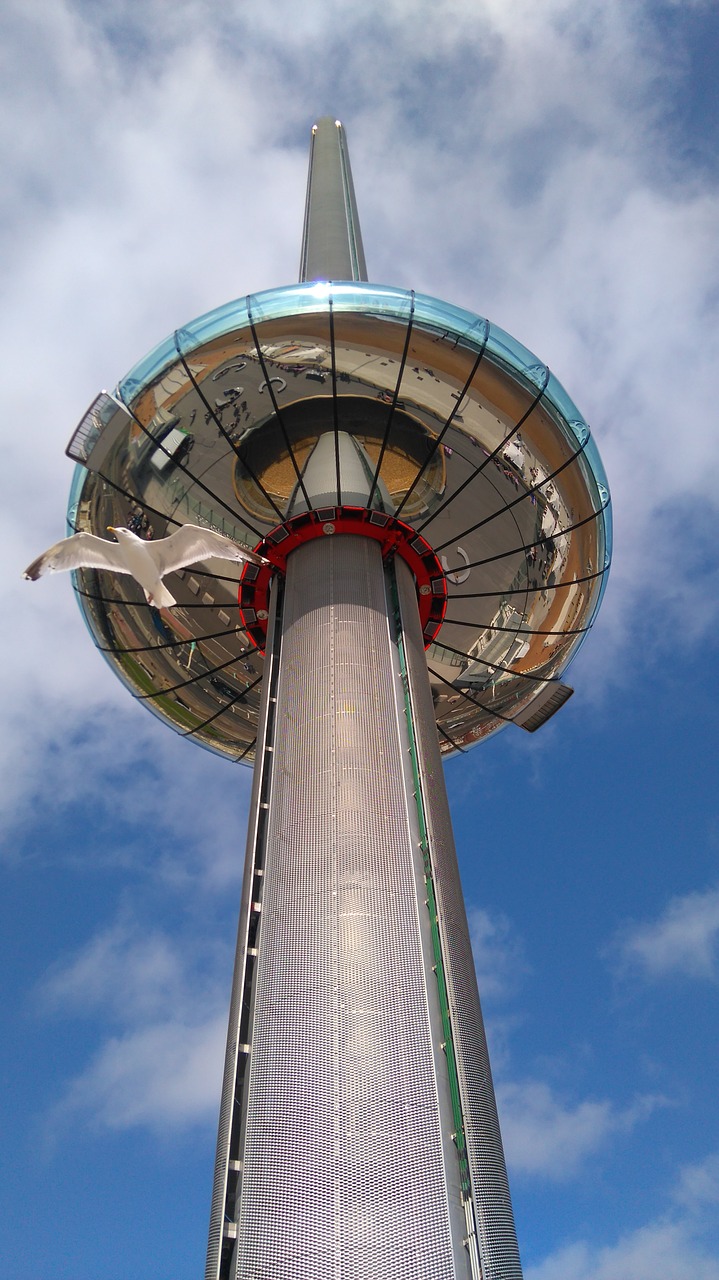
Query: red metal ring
x,y
395,537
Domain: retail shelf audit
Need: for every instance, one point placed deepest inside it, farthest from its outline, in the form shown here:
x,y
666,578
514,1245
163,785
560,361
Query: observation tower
x,y
436,518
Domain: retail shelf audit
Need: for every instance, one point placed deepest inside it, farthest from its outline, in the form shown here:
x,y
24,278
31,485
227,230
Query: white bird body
x,y
144,567
146,562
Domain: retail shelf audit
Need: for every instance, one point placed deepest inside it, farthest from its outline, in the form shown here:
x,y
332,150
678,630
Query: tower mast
x,y
331,237
431,517
358,1133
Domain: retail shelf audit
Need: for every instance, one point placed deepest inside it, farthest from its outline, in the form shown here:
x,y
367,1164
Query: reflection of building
x,y
392,457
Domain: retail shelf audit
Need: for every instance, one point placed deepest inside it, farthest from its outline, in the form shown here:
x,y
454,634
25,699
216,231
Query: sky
x,y
553,165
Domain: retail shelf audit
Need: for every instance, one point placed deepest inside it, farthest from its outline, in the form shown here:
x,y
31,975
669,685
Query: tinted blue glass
x,y
375,300
395,304
147,370
213,324
301,299
557,395
79,476
581,430
455,321
517,356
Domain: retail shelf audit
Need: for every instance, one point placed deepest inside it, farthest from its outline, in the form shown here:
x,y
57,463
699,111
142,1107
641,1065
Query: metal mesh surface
x,y
498,1249
228,1159
343,1170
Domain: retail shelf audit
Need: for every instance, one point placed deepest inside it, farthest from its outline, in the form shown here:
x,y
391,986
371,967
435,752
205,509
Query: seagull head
x,y
119,532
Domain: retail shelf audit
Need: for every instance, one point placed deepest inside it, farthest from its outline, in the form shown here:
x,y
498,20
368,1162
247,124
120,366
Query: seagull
x,y
146,562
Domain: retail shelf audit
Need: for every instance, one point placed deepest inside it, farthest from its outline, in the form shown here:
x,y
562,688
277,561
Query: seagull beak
x,y
111,528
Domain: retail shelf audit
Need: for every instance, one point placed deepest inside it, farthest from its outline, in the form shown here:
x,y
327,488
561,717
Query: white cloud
x,y
167,1001
672,1247
683,940
545,1136
698,1185
126,972
152,177
498,953
108,758
160,1076
663,1249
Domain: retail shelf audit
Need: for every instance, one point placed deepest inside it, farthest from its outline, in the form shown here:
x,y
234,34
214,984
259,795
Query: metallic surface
x,y
497,1240
396,540
472,442
348,1166
331,237
222,1242
340,1145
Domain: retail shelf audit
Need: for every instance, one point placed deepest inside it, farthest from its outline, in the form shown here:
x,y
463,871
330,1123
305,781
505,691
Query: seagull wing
x,y
192,543
81,551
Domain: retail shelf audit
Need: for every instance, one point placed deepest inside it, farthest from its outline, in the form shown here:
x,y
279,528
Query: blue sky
x,y
550,164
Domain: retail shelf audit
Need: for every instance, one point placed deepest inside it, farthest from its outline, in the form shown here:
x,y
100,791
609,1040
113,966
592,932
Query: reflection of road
x,y
164,652
457,576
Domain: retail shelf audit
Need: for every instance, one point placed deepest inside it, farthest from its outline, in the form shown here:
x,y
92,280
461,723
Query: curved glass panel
x,y
79,476
213,324
146,370
517,356
455,321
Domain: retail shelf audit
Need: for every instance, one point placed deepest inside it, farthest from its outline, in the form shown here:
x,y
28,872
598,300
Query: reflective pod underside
x,y
463,435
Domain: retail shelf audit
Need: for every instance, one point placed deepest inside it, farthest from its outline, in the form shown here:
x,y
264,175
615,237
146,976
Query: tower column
x,y
331,237
359,1117
492,1206
349,1164
391,435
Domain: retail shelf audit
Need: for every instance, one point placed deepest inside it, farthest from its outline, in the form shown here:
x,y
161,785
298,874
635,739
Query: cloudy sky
x,y
551,164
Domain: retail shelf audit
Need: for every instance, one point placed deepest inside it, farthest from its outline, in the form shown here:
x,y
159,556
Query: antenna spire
x,y
331,238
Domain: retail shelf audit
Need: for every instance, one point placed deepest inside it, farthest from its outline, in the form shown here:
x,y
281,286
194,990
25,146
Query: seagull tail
x,y
161,597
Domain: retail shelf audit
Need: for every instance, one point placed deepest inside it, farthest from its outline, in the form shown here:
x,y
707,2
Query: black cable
x,y
496,666
522,591
470,699
447,424
393,405
275,406
188,732
335,419
515,501
489,456
220,426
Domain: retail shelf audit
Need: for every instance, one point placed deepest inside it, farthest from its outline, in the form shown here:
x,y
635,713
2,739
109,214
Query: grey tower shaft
x,y
358,1135
358,1119
331,238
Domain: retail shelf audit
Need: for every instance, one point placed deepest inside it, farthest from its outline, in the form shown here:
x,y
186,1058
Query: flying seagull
x,y
147,562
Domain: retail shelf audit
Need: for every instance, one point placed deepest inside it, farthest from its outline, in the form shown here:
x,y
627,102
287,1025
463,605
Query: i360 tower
x,y
436,518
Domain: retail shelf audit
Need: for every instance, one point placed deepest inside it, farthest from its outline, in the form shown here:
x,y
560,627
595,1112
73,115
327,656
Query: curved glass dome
x,y
462,434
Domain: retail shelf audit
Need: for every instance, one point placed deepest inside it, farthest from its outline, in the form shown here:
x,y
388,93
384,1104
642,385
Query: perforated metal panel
x,y
221,1249
344,1169
497,1239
